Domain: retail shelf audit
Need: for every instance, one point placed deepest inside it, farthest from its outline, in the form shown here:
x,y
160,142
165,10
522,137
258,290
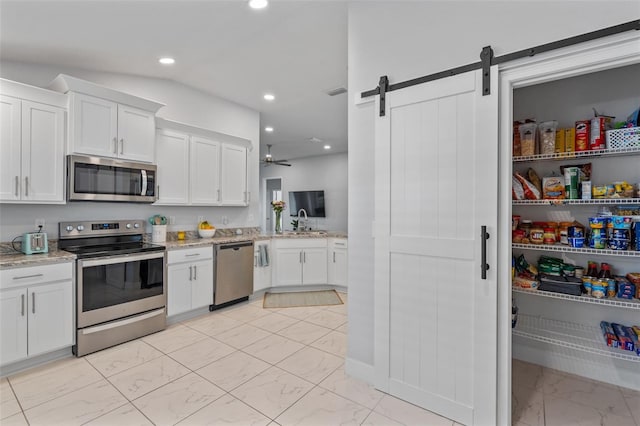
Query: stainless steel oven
x,y
104,179
120,282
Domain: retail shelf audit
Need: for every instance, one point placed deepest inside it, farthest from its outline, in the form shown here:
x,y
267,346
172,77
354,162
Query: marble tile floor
x,y
245,365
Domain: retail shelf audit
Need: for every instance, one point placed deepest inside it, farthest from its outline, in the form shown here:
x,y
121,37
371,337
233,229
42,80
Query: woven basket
x,y
628,137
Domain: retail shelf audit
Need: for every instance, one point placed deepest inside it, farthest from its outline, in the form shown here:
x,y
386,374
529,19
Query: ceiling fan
x,y
268,159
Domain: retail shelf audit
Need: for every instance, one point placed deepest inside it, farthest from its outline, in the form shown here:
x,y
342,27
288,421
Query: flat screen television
x,y
311,201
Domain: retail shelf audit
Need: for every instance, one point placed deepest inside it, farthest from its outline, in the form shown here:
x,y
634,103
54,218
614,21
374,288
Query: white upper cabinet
x,y
31,145
234,176
107,129
205,171
108,123
172,160
194,169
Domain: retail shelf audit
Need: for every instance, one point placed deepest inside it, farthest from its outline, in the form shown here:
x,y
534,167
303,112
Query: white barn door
x,y
436,166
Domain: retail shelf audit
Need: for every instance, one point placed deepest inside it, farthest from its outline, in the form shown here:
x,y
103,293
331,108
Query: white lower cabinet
x,y
337,261
261,265
300,261
37,311
190,279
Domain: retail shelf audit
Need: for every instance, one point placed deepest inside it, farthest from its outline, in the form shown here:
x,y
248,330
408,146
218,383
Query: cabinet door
x,y
50,311
94,126
202,284
42,152
179,289
172,160
338,267
205,171
289,266
314,266
233,185
13,328
10,146
136,134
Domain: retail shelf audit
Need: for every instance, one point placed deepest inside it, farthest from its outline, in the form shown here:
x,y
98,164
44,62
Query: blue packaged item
x,y
618,244
624,338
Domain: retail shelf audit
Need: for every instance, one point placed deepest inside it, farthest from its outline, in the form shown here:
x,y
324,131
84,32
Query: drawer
x,y
17,277
300,243
189,255
335,243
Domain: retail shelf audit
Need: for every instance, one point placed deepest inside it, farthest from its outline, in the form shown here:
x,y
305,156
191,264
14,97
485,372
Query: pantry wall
x,y
548,322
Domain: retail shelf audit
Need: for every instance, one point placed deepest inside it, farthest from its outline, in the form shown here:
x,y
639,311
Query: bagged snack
x,y
517,191
530,190
534,179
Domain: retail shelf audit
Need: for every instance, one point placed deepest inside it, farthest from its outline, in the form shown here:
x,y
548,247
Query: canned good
x,y
597,222
611,287
620,234
577,242
583,135
598,290
587,284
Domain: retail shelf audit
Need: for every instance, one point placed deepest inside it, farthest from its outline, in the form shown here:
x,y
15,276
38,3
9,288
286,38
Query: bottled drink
x,y
592,269
605,271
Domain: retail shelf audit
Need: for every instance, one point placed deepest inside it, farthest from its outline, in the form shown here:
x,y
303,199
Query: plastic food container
x,y
598,243
577,242
619,244
598,222
528,138
548,137
621,222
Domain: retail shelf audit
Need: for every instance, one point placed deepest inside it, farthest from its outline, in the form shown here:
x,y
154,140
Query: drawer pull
x,y
27,276
190,273
33,303
22,310
192,254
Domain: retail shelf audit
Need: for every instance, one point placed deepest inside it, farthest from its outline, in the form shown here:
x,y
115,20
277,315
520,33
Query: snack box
x,y
624,338
634,338
553,188
525,283
634,277
609,335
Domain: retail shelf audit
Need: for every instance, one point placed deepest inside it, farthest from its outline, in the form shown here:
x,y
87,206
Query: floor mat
x,y
303,298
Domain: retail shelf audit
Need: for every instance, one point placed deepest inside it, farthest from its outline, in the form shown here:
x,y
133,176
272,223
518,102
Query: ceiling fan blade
x,y
282,164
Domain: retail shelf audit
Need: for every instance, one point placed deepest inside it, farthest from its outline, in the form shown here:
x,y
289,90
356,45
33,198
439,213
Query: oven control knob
x,y
136,225
128,226
69,228
80,227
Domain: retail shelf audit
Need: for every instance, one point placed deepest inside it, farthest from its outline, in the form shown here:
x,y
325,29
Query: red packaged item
x,y
598,127
624,339
530,190
583,135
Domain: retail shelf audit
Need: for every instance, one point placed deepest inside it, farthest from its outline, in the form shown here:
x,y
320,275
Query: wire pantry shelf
x,y
572,202
620,303
569,335
576,155
567,249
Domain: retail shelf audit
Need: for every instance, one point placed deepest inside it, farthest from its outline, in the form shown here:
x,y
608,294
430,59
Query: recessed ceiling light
x,y
258,4
167,61
327,147
268,129
269,97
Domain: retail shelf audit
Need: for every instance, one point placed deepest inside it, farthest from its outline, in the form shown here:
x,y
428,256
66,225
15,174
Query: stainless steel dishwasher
x,y
233,274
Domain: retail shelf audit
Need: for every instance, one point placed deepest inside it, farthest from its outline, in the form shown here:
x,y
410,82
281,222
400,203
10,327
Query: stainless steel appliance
x,y
104,179
234,273
35,242
120,282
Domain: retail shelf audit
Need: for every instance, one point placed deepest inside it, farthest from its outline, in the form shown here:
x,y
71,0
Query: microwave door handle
x,y
144,182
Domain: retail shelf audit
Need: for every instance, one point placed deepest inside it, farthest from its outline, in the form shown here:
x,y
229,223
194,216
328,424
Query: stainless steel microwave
x,y
104,179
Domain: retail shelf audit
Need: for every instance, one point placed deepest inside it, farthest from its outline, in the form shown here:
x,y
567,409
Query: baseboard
x,y
174,319
360,370
35,361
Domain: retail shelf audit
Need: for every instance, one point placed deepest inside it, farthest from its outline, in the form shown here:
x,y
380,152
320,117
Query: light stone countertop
x,y
12,259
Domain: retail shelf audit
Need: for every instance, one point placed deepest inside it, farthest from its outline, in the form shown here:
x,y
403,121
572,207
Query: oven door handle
x,y
144,182
119,259
115,324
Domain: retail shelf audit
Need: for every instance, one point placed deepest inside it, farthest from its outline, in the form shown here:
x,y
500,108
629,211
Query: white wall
x,y
183,104
405,40
326,172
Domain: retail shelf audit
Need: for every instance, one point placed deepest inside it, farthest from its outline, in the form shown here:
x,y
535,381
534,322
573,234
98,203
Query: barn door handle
x,y
484,235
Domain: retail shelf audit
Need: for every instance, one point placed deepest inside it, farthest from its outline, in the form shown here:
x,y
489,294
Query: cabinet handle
x,y
33,303
26,186
192,254
158,194
255,261
195,272
334,257
218,199
121,145
17,185
22,303
300,256
304,257
484,266
115,145
27,276
190,273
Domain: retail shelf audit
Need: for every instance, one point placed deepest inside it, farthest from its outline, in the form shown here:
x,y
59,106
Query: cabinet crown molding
x,y
65,83
166,124
32,93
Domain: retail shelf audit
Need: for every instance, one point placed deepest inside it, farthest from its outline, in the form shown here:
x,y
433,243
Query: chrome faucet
x,y
302,226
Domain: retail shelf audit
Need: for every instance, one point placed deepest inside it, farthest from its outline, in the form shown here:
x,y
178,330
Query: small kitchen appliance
x,y
35,242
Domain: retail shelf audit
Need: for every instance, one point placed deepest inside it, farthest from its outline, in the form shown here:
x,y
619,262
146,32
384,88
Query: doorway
x,y
273,192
